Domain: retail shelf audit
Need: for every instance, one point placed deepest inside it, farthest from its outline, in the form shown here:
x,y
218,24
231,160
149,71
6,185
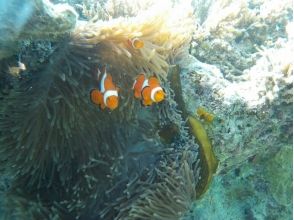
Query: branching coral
x,y
161,31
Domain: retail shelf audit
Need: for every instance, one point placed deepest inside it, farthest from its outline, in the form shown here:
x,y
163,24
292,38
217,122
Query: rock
x,y
34,20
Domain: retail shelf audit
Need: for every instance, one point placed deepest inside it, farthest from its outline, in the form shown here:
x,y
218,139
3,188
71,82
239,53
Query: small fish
x,y
202,113
136,43
148,90
16,70
106,95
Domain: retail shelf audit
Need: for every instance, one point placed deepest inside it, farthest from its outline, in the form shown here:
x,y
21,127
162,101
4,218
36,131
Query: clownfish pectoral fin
x,y
102,106
147,102
142,103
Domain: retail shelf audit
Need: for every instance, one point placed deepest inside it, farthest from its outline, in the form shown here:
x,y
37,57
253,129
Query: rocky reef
x,y
33,19
241,71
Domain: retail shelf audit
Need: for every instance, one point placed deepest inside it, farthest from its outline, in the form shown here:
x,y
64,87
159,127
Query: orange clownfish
x,y
148,90
136,43
107,93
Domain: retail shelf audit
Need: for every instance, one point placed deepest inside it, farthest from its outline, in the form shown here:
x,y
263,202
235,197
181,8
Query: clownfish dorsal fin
x,y
98,74
103,69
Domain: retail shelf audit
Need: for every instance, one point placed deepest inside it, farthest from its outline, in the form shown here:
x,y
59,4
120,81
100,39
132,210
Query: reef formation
x,y
62,157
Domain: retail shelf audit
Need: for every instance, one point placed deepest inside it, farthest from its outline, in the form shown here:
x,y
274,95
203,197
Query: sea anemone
x,y
165,192
161,32
63,151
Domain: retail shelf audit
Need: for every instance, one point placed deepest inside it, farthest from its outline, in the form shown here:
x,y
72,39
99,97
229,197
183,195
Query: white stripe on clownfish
x,y
102,88
153,91
134,84
145,84
109,93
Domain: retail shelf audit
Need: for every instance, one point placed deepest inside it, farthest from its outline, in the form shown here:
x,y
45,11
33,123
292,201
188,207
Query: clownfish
x,y
148,90
107,93
136,43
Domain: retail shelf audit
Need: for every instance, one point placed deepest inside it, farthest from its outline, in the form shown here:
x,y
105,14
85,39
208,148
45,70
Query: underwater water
x,y
145,109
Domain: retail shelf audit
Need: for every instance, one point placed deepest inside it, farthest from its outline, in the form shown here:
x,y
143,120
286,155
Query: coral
x,y
124,8
232,39
253,103
162,33
278,172
259,189
262,94
48,21
36,19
